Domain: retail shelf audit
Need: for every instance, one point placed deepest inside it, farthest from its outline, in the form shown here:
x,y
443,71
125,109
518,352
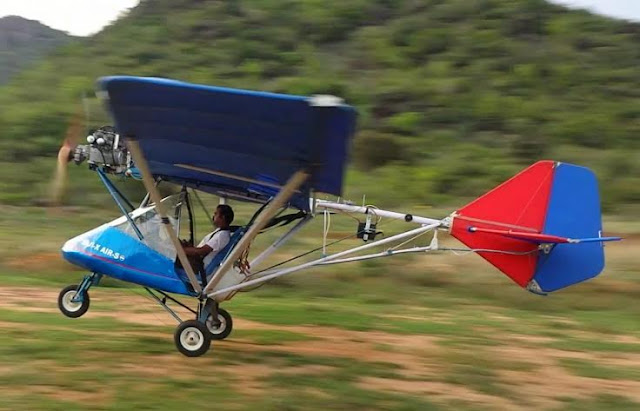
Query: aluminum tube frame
x,y
276,244
267,276
410,233
283,196
165,306
382,254
113,189
147,197
280,241
330,205
115,193
149,184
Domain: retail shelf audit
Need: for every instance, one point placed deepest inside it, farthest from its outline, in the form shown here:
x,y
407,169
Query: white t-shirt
x,y
217,240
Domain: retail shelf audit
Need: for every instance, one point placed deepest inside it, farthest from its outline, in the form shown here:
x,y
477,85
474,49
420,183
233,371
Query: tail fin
x,y
542,227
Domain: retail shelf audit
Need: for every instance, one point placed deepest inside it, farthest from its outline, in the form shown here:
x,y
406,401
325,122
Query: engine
x,y
105,150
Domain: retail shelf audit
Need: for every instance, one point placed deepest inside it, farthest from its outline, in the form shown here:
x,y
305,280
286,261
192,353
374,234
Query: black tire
x,y
69,308
224,329
192,338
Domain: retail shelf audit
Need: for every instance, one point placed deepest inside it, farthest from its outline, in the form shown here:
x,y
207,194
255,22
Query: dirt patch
x,y
622,360
101,396
45,301
248,378
28,299
408,365
155,318
5,369
549,356
626,339
27,309
54,391
21,293
37,262
12,326
160,366
438,391
528,339
545,386
406,351
313,369
549,381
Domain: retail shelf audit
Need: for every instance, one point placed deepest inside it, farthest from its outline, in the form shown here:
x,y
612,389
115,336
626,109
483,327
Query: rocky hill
x,y
23,42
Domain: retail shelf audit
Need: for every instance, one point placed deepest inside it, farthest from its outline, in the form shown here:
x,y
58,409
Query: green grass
x,y
599,402
593,370
478,368
78,355
598,344
271,337
481,379
468,312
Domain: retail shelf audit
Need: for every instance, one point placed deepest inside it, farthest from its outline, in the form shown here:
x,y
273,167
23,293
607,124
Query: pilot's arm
x,y
197,251
213,244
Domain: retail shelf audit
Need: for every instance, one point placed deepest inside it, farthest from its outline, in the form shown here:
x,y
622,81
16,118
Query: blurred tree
x,y
460,92
371,150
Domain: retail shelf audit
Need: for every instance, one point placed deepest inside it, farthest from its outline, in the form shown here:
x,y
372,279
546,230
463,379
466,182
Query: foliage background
x,y
454,96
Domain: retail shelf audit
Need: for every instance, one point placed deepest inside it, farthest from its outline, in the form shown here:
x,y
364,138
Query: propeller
x,y
72,138
77,146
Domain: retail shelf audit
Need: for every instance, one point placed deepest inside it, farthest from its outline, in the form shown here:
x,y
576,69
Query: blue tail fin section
x,y
573,212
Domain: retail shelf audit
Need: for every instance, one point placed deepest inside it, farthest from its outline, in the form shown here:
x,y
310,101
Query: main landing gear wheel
x,y
192,338
222,328
69,307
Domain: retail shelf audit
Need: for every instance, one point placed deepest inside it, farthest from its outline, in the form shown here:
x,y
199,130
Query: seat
x,y
236,235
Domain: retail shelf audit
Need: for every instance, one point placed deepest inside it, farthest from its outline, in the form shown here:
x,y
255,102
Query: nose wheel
x,y
192,338
73,303
73,300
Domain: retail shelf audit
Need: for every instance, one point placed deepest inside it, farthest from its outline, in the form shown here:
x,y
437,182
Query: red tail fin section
x,y
518,204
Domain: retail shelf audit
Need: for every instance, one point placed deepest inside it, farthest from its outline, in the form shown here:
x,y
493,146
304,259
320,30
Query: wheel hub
x,y
192,339
69,303
216,327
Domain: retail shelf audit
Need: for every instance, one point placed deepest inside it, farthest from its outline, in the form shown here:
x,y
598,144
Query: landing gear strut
x,y
73,300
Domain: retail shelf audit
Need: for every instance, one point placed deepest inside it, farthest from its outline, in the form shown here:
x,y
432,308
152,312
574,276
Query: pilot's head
x,y
223,216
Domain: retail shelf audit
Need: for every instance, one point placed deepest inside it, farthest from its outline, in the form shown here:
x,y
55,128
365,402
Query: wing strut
x,y
263,219
149,184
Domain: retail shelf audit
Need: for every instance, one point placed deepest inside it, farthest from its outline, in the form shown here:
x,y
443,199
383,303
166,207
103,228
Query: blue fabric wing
x,y
228,141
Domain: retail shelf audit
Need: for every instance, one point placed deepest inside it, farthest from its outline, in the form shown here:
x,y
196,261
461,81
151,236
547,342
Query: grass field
x,y
424,332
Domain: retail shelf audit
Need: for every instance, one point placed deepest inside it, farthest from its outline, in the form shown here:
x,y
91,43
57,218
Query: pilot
x,y
215,241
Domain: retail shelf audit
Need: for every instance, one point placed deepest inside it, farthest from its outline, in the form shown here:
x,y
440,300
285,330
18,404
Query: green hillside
x,y
24,41
454,96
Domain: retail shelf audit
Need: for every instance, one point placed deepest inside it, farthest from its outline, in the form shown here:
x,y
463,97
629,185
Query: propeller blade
x,y
74,132
65,155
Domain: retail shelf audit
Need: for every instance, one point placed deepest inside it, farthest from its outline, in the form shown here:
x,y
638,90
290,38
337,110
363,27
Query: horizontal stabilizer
x,y
541,238
521,235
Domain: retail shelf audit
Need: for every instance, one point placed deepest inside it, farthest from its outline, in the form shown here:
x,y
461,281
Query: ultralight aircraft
x,y
542,228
